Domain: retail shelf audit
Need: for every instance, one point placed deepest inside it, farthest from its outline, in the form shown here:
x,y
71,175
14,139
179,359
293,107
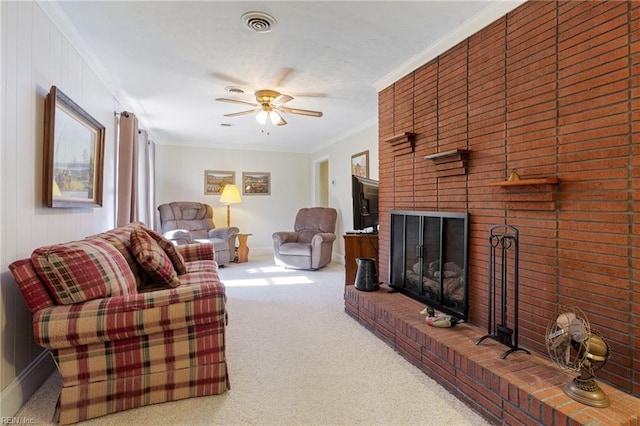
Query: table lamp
x,y
230,195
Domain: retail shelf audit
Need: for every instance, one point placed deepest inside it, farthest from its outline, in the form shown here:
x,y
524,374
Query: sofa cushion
x,y
176,258
120,238
153,259
83,270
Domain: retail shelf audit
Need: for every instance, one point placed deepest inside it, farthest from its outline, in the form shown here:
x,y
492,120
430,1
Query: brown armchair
x,y
310,245
185,222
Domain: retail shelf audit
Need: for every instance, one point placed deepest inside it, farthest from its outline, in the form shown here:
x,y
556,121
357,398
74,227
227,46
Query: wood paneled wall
x,y
36,55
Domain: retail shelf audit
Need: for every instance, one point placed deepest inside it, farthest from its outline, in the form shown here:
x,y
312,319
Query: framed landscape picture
x,y
73,154
215,180
360,164
256,183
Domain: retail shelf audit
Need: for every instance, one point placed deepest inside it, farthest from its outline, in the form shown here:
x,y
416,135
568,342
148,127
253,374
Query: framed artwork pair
x,y
253,183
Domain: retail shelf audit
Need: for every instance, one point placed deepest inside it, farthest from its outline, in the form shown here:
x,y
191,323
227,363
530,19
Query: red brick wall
x,y
552,90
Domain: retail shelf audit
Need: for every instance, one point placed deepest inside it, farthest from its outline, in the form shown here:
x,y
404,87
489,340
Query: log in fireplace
x,y
428,259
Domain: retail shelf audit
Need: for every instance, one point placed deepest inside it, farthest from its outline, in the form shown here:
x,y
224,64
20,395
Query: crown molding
x,y
497,10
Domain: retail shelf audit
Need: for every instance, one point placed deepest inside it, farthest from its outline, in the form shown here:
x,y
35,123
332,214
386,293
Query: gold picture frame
x,y
360,164
73,166
215,180
256,183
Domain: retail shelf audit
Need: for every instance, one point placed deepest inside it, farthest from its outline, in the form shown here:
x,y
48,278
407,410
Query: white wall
x,y
34,57
339,156
180,177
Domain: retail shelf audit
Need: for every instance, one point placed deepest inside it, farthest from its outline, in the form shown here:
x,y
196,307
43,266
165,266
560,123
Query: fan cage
x,y
562,348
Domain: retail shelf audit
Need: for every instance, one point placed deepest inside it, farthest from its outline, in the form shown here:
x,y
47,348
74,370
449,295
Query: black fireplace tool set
x,y
503,246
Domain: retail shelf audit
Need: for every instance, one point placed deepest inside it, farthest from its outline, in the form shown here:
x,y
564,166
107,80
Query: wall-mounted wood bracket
x,y
529,194
450,163
525,182
403,143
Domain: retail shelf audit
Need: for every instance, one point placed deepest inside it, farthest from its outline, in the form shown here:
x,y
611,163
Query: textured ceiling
x,y
169,60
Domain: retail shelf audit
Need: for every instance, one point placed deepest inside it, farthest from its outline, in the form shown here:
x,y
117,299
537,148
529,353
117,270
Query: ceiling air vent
x,y
234,89
258,22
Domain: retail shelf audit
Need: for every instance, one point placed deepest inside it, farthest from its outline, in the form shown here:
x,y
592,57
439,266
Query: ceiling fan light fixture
x,y
276,119
258,22
262,117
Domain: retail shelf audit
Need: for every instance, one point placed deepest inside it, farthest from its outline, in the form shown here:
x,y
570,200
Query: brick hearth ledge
x,y
522,389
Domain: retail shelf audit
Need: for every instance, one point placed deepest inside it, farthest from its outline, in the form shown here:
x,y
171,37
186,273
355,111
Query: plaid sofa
x,y
126,329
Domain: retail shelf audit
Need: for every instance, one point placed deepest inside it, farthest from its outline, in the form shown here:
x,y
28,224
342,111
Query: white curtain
x,y
135,198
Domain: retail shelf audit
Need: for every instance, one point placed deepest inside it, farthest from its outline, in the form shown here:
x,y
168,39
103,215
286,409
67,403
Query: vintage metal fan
x,y
573,345
269,106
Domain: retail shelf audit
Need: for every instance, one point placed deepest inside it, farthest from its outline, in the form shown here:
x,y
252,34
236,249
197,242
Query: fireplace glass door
x,y
429,259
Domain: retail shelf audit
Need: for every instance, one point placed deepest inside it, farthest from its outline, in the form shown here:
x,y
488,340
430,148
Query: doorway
x,y
321,187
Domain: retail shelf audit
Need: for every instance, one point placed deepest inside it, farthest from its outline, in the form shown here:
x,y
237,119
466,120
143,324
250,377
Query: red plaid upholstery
x,y
201,265
126,351
196,251
83,270
153,259
35,294
120,238
122,317
176,258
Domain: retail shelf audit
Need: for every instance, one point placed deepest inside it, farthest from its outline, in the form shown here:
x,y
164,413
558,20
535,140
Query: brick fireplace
x,y
552,90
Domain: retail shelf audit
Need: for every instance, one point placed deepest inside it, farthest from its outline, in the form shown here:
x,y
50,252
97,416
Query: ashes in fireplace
x,y
428,259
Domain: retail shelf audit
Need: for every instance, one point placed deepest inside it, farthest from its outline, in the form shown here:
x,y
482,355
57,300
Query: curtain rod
x,y
125,113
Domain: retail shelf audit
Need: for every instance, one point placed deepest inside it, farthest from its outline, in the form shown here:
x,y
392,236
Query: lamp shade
x,y
262,117
230,194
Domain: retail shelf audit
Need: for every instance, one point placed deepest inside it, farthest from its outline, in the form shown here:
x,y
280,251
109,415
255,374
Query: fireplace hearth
x,y
429,259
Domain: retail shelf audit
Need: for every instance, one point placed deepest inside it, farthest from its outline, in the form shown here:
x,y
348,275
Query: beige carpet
x,y
295,358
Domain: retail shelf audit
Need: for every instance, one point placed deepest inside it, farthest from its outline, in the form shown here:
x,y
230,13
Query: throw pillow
x,y
83,270
174,255
153,259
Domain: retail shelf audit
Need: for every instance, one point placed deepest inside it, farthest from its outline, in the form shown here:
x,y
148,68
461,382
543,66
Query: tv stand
x,y
358,245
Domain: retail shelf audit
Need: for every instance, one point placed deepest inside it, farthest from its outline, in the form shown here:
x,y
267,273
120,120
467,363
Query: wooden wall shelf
x,y
450,163
524,182
403,143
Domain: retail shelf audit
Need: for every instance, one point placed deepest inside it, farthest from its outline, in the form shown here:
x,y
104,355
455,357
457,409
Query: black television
x,y
364,193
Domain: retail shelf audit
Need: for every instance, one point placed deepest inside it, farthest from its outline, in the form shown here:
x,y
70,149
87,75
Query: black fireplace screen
x,y
429,259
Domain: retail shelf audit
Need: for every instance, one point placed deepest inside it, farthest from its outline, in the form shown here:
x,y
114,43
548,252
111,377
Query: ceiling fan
x,y
270,105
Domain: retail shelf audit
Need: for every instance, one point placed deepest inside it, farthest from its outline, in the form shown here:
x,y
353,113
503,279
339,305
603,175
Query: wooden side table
x,y
355,246
243,248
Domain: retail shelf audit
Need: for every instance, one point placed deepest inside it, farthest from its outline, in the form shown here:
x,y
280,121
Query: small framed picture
x,y
215,180
256,183
360,164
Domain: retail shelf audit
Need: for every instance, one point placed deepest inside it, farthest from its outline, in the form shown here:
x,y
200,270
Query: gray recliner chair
x,y
185,222
310,244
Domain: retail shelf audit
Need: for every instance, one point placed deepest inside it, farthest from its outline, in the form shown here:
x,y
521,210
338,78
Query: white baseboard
x,y
28,381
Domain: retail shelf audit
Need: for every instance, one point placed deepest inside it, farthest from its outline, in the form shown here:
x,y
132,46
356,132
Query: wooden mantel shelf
x,y
523,182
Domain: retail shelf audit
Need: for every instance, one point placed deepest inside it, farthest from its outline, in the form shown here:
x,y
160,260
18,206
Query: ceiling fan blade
x,y
236,101
236,114
282,121
229,79
281,100
285,74
301,112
